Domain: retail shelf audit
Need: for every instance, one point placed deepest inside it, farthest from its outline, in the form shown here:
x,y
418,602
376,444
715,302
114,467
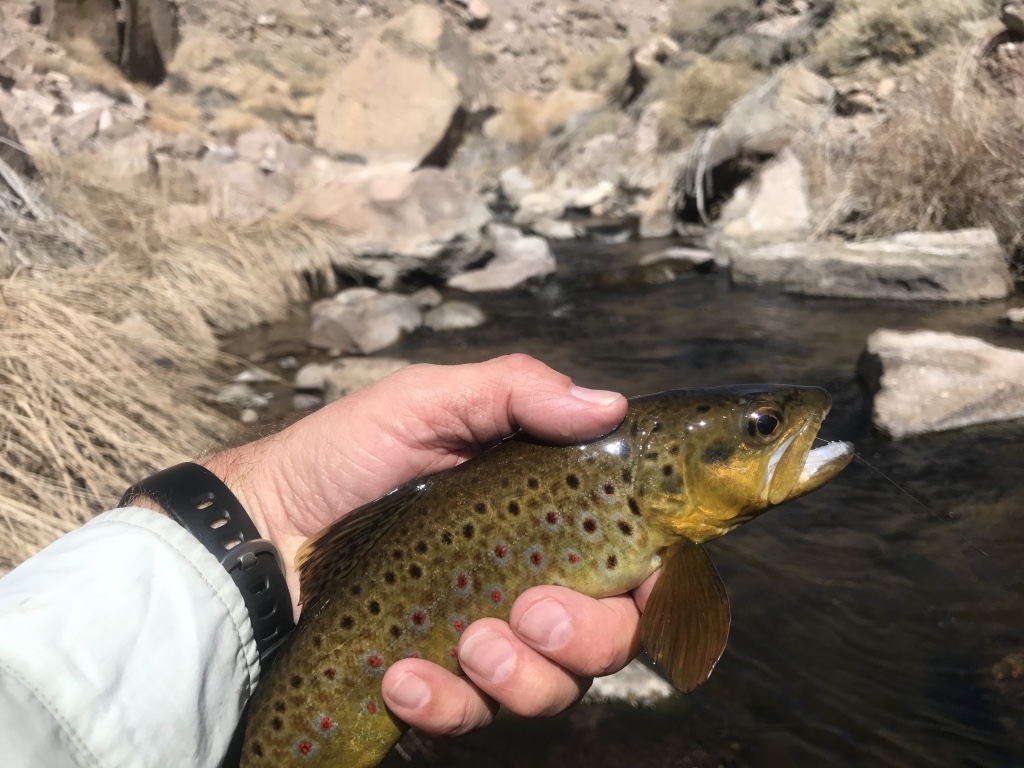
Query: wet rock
x,y
362,320
312,377
946,266
453,316
535,206
289,363
514,185
517,260
306,402
551,229
255,375
636,684
352,374
241,395
427,298
249,416
389,213
406,97
929,382
685,258
1014,316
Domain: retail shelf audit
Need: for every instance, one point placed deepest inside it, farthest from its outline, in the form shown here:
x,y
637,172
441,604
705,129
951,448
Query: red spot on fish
x,y
419,618
574,559
371,708
501,551
462,581
330,673
536,558
305,747
459,625
326,724
453,653
551,517
496,595
374,662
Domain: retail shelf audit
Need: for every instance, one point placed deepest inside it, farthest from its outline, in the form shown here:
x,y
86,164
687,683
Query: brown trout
x,y
404,575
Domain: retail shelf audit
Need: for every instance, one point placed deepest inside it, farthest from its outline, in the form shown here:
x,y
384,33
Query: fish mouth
x,y
796,468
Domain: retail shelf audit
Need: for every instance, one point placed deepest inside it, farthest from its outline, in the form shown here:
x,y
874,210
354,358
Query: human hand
x,y
421,420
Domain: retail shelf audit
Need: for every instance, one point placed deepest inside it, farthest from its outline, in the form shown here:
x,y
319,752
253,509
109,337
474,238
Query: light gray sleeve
x,y
124,643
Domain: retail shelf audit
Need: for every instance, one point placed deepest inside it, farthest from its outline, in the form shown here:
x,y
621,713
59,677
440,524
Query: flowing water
x,y
867,617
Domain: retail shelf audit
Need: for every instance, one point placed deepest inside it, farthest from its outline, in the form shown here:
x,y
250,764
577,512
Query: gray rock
x,y
775,207
289,363
693,258
362,320
514,184
312,377
958,266
517,260
636,684
453,316
306,402
551,229
255,375
427,298
352,374
249,416
1014,316
241,396
929,382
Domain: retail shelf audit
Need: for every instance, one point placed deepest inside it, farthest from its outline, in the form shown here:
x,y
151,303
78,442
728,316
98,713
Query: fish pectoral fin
x,y
685,624
337,550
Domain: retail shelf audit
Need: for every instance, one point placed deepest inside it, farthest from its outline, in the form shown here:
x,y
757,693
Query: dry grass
x,y
700,25
947,157
85,406
892,31
605,71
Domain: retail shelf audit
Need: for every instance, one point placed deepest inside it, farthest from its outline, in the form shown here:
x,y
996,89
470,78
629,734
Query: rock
x,y
1010,667
289,363
254,375
362,320
306,402
945,266
636,683
241,191
775,207
1012,16
271,153
241,396
656,217
535,206
694,258
249,416
649,57
454,316
406,97
312,377
514,185
555,229
929,382
352,374
517,260
1014,316
427,298
407,217
591,197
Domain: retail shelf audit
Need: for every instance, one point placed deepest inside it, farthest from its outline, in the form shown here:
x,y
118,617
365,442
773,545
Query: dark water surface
x,y
867,617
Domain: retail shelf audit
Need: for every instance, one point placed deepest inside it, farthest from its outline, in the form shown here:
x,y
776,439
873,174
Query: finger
x,y
513,674
434,700
585,636
643,593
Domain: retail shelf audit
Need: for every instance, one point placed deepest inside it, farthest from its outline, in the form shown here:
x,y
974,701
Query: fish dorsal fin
x,y
337,549
685,623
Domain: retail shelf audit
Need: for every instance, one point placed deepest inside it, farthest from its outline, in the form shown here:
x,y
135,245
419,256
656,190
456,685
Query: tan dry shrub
x,y
605,71
699,25
946,158
891,31
699,96
526,120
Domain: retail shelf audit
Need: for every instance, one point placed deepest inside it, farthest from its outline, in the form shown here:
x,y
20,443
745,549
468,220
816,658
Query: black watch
x,y
198,500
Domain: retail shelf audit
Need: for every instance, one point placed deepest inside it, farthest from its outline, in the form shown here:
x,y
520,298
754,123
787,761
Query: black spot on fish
x,y
572,481
257,749
666,470
513,508
609,488
480,507
718,453
467,530
634,428
611,562
533,483
652,456
389,577
346,622
626,528
656,427
356,589
415,571
398,554
505,482
627,476
403,531
280,706
673,449
446,537
317,641
590,525
421,547
277,723
296,681
374,607
703,408
633,506
396,631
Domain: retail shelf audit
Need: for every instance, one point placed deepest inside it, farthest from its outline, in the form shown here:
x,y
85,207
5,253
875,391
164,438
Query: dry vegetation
x,y
947,157
87,404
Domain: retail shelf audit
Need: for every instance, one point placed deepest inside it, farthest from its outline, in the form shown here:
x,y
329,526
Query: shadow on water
x,y
867,617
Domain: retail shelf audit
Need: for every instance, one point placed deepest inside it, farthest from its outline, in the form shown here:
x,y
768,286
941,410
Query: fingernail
x,y
596,396
488,655
546,625
409,691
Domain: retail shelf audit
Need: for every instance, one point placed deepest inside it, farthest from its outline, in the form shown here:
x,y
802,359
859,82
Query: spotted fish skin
x,y
461,545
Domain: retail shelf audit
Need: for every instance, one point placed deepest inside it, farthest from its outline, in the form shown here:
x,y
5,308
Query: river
x,y
867,617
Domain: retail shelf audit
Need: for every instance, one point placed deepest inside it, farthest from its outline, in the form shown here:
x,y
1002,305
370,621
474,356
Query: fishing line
x,y
907,493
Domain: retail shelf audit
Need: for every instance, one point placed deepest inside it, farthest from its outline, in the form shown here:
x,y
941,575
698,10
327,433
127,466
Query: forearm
x,y
125,643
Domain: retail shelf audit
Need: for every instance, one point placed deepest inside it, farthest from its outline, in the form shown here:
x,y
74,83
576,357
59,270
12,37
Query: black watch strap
x,y
198,500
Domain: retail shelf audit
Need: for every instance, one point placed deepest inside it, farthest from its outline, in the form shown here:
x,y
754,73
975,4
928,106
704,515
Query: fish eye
x,y
765,423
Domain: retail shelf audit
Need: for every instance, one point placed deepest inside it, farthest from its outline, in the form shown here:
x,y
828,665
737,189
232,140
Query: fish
x,y
404,575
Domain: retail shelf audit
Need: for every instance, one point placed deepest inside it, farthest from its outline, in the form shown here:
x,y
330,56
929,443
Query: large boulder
x,y
407,95
517,260
928,382
967,265
362,320
393,219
